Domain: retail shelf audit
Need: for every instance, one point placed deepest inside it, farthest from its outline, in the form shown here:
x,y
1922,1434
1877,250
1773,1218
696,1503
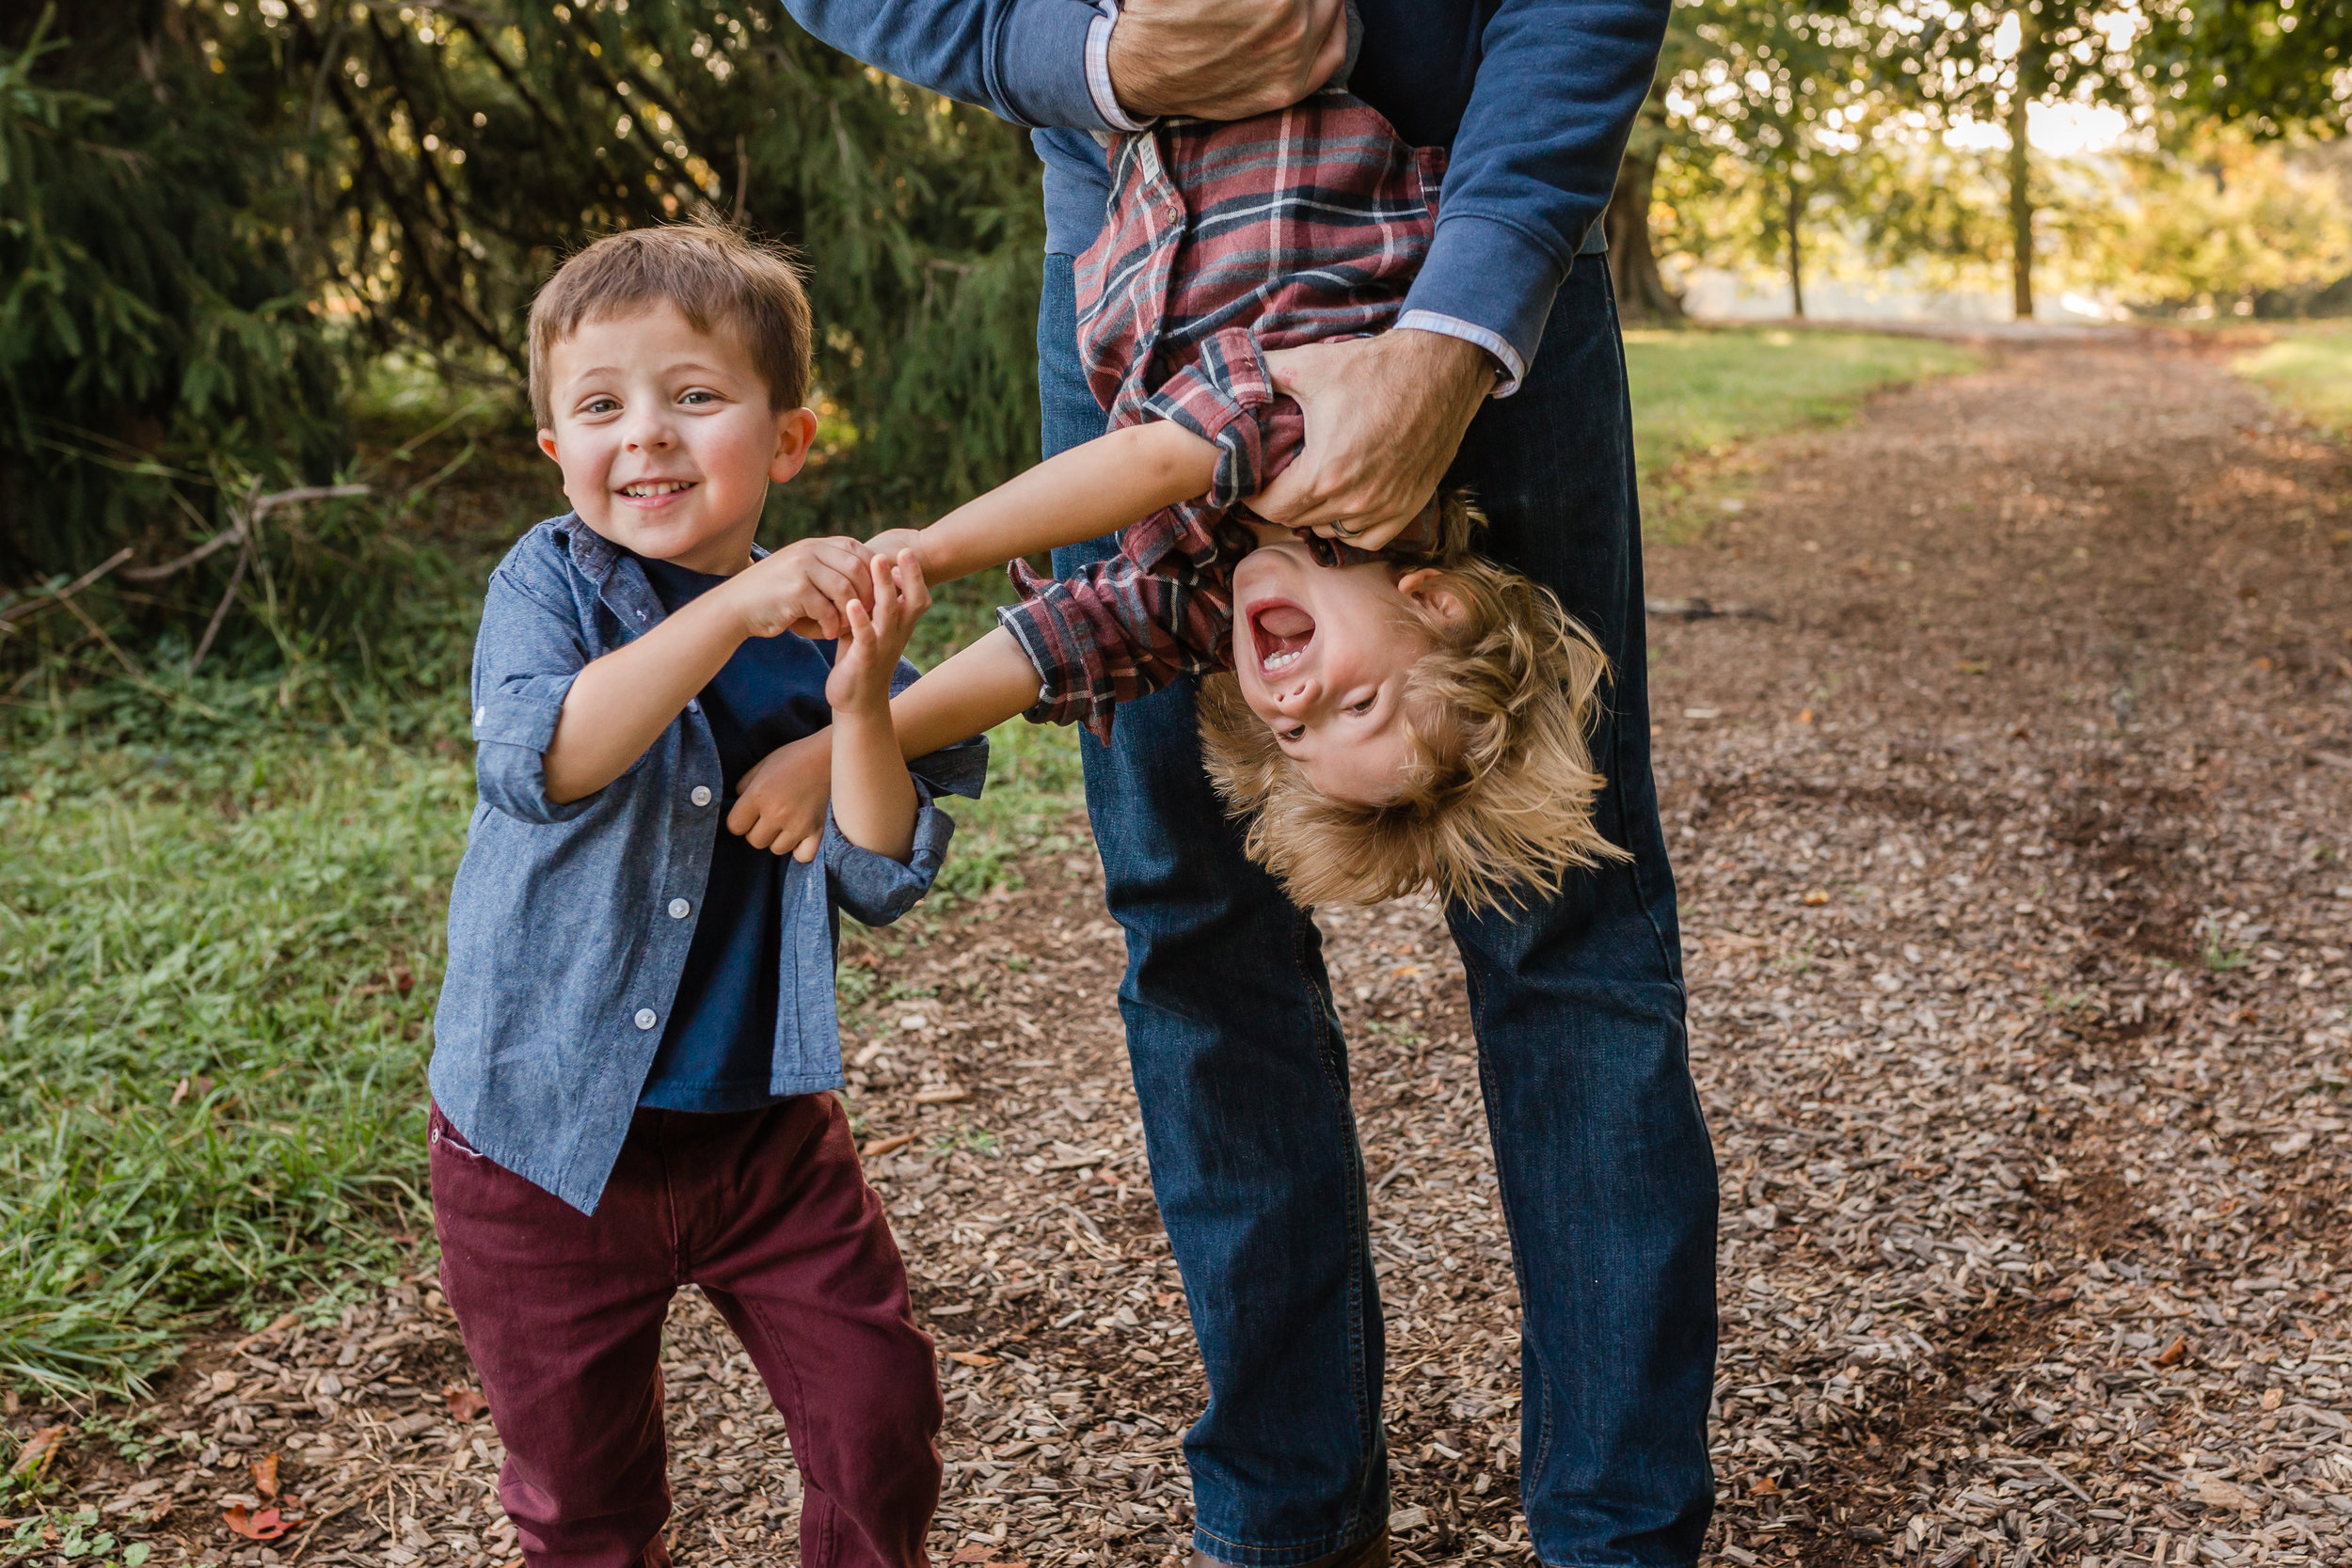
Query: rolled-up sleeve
x,y
876,889
526,656
1024,60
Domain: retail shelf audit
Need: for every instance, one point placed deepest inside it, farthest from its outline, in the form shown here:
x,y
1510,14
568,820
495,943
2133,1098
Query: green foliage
x,y
2310,369
153,337
2272,65
220,219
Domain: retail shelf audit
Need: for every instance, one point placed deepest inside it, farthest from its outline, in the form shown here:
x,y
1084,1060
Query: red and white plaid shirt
x,y
1224,239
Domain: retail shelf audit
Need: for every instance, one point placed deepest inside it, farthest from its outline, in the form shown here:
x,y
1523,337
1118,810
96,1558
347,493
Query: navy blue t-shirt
x,y
721,1041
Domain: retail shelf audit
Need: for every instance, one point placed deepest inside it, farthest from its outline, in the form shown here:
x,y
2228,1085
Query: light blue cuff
x,y
513,725
1492,274
1043,48
1099,69
875,890
1507,363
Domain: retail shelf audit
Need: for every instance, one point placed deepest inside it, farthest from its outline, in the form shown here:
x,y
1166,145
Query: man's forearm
x,y
1079,495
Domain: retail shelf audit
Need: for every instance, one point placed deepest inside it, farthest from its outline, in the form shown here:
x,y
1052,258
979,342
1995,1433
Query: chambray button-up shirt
x,y
567,923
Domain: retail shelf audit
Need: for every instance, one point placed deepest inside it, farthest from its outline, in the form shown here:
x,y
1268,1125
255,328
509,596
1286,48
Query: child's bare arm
x,y
1079,495
874,802
621,703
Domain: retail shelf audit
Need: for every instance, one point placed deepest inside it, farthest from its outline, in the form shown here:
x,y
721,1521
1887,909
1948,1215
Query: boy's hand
x,y
806,587
780,805
867,657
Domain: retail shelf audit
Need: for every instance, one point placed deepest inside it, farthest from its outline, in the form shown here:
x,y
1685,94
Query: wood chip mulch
x,y
2014,838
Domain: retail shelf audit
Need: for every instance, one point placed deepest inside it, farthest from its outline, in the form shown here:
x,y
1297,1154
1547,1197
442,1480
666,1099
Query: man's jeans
x,y
1608,1181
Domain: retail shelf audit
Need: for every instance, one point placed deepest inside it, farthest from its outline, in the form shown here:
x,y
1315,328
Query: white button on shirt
x,y
701,795
678,908
645,1018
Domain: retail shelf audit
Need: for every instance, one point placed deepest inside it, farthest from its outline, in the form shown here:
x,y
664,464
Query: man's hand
x,y
1223,60
1383,417
781,803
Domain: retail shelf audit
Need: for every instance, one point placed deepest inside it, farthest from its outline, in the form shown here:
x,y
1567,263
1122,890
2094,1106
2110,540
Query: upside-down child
x,y
1411,720
637,1029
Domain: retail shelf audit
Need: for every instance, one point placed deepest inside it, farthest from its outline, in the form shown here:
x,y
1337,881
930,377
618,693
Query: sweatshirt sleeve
x,y
1558,83
1022,60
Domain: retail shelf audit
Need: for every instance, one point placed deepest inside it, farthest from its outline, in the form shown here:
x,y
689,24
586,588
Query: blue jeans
x,y
1608,1180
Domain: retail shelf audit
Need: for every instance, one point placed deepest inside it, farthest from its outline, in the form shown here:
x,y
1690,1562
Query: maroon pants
x,y
769,1213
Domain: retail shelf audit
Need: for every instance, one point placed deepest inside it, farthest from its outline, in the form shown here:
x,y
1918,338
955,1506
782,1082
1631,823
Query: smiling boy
x,y
636,1032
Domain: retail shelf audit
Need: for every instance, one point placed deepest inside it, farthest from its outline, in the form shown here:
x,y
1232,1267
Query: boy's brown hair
x,y
1501,801
712,273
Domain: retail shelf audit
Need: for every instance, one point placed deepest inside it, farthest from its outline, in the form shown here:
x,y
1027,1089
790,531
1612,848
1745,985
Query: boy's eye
x,y
699,398
1365,707
602,405
1296,732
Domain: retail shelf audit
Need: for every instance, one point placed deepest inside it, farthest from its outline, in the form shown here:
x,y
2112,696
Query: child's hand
x,y
806,587
891,541
780,805
865,658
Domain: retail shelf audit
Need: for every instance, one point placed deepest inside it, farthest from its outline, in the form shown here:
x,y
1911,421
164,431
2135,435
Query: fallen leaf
x,y
39,1449
942,1094
1805,718
1763,1486
465,1404
265,1475
265,1526
1816,897
875,1148
2273,1398
2174,1352
971,1358
970,1553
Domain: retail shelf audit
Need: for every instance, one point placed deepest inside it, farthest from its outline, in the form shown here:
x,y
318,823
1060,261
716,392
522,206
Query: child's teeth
x,y
1282,660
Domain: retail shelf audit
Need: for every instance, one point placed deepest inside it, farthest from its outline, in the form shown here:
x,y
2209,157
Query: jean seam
x,y
1367,1412
1478,992
1317,1545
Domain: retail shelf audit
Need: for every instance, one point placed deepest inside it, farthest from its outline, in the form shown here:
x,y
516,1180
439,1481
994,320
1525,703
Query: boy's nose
x,y
1299,698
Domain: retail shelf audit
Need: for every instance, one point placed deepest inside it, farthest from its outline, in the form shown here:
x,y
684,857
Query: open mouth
x,y
1280,632
654,489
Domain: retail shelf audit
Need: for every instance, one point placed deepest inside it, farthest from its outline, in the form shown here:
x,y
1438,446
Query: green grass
x,y
221,917
2310,369
1698,392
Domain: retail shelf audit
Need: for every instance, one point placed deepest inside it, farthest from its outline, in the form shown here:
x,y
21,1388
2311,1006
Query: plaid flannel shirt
x,y
1224,239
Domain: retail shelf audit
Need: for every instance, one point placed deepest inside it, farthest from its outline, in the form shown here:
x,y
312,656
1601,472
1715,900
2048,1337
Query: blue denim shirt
x,y
569,925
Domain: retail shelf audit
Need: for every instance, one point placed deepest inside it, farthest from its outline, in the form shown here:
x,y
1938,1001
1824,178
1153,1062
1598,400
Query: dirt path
x,y
2016,858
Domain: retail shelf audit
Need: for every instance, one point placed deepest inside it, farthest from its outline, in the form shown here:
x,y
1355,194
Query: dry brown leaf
x,y
268,1525
465,1404
265,1475
2174,1351
39,1449
875,1148
971,1358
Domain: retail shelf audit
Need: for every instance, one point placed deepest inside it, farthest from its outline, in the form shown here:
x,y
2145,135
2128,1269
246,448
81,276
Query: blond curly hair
x,y
1499,804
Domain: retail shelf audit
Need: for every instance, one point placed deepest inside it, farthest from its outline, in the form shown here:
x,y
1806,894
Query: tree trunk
x,y
2020,208
1796,250
1641,292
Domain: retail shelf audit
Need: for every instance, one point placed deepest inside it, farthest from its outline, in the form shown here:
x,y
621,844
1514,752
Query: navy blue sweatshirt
x,y
1534,98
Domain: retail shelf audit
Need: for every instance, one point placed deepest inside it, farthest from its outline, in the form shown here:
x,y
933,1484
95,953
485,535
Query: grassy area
x,y
2310,369
1697,393
221,929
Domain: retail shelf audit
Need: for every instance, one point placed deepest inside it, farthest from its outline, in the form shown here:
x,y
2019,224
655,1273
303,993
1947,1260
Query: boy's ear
x,y
547,444
1429,585
796,432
